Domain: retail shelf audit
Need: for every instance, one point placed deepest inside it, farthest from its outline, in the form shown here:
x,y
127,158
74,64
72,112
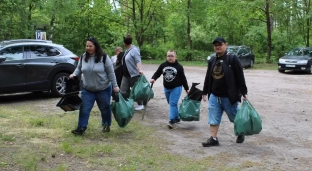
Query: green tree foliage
x,y
187,26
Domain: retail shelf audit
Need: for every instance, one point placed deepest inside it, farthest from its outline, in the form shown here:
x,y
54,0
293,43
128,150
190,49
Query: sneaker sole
x,y
138,109
240,140
77,133
170,126
210,145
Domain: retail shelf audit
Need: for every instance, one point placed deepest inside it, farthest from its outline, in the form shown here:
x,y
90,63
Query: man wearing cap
x,y
225,86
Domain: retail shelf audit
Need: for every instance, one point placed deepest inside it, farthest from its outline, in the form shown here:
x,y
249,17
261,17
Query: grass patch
x,y
7,137
260,65
41,140
265,66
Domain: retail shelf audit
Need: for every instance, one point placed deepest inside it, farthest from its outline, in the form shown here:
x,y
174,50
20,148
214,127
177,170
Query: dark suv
x,y
244,54
28,65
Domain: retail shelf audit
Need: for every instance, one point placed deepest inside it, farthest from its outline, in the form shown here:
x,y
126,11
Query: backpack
x,y
229,59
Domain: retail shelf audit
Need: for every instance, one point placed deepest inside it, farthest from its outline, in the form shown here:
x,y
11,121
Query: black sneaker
x,y
79,130
170,124
177,120
210,142
106,128
240,139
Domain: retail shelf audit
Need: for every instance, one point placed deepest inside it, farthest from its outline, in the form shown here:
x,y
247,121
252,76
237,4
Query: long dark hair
x,y
98,50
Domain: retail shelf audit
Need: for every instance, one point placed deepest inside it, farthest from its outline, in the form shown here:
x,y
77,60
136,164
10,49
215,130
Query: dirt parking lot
x,y
284,103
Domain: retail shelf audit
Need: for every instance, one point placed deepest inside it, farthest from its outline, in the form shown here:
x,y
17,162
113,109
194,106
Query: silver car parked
x,y
298,59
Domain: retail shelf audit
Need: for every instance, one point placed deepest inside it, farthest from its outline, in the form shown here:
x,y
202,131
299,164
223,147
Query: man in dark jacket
x,y
225,85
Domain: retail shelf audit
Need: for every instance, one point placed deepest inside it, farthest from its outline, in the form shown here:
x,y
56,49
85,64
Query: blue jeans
x,y
173,96
216,106
102,99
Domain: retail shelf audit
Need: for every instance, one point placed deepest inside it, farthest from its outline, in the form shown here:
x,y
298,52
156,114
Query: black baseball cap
x,y
219,39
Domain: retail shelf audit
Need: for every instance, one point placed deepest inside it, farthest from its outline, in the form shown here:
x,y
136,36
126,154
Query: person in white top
x,y
117,51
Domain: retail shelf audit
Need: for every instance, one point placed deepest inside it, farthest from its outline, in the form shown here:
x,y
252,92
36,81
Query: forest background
x,y
269,27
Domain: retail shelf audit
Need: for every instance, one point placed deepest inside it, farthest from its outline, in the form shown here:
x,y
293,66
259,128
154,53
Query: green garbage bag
x,y
247,120
123,110
141,90
189,109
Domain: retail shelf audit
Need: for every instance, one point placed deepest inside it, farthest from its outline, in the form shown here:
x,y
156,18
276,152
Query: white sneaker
x,y
139,107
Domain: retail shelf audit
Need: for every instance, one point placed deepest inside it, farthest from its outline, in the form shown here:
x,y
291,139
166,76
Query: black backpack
x,y
229,58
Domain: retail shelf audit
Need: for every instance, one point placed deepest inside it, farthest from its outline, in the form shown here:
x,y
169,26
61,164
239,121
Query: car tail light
x,y
75,58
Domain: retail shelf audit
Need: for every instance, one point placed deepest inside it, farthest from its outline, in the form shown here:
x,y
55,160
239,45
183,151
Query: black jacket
x,y
234,76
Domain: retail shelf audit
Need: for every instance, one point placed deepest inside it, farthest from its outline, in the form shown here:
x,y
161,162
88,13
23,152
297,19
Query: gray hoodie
x,y
96,76
132,58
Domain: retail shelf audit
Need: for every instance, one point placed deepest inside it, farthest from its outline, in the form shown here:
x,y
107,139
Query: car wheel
x,y
281,70
58,84
251,63
310,71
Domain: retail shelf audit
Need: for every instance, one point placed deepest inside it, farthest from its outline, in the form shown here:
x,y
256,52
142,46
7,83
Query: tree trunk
x,y
188,25
188,30
52,26
268,24
308,21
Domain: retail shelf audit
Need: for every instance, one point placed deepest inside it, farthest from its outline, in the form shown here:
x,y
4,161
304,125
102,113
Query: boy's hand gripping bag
x,y
189,109
123,110
141,90
247,121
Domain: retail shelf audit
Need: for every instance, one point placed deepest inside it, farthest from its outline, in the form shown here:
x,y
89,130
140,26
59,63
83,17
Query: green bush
x,y
149,52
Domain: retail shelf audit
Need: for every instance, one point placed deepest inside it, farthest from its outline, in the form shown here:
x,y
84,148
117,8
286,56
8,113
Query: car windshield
x,y
232,49
300,52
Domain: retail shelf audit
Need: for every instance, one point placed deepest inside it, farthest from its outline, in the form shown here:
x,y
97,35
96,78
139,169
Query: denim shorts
x,y
216,106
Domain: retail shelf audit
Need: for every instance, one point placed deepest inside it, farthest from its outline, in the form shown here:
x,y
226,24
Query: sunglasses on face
x,y
170,55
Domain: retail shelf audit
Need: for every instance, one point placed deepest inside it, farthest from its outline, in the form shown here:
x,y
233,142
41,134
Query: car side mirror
x,y
2,58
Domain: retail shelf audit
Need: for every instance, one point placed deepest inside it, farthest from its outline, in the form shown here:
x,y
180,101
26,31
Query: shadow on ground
x,y
22,97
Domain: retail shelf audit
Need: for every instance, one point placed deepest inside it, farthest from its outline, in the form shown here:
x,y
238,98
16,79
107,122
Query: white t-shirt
x,y
114,58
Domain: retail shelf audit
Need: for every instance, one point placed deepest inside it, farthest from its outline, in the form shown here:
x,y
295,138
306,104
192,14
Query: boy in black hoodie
x,y
174,79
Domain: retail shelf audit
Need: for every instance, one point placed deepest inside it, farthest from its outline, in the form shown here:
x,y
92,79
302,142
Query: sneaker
x,y
139,107
240,139
177,120
106,128
170,124
210,142
79,130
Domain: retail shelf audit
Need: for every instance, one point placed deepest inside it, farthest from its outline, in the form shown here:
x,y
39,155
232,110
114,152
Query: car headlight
x,y
281,60
303,61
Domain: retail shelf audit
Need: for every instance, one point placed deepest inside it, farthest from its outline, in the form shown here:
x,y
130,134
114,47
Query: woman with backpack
x,y
97,83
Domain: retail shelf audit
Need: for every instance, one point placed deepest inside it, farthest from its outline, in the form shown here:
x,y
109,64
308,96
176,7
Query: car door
x,y
241,57
249,56
40,62
12,70
244,55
